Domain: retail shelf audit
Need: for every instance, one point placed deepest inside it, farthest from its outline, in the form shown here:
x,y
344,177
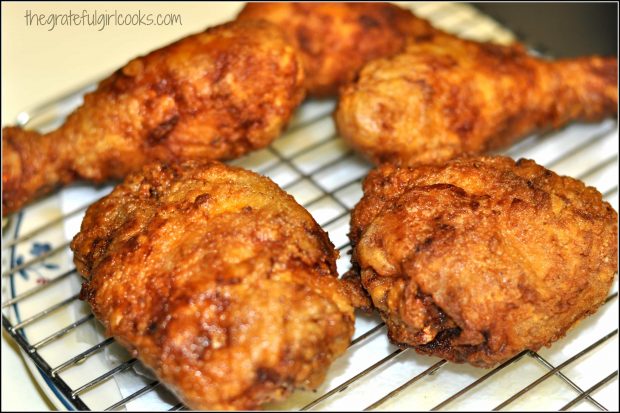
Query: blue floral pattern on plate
x,y
37,249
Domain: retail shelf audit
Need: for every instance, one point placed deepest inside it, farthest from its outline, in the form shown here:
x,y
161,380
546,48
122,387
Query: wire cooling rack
x,y
85,370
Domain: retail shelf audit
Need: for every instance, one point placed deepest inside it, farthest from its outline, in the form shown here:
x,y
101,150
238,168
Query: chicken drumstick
x,y
212,95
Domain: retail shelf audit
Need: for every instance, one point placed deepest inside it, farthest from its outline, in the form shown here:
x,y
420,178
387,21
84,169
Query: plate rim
x,y
48,388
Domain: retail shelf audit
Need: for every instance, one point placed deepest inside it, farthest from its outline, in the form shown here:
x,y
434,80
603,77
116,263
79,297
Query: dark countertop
x,y
560,29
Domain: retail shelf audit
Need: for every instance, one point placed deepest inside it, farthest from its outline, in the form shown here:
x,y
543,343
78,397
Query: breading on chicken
x,y
444,97
217,280
480,258
336,39
213,95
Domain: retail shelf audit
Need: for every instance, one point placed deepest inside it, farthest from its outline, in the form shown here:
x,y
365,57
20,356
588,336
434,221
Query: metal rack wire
x,y
312,163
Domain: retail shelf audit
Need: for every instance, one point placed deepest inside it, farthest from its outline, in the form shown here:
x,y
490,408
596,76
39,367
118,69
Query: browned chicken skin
x,y
217,280
336,39
481,258
213,95
445,96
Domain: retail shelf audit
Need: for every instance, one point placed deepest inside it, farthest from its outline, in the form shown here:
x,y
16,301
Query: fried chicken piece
x,y
217,280
213,95
336,39
481,258
445,96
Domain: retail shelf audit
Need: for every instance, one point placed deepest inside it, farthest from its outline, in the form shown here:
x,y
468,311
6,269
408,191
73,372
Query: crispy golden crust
x,y
480,258
214,95
336,39
217,280
445,96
